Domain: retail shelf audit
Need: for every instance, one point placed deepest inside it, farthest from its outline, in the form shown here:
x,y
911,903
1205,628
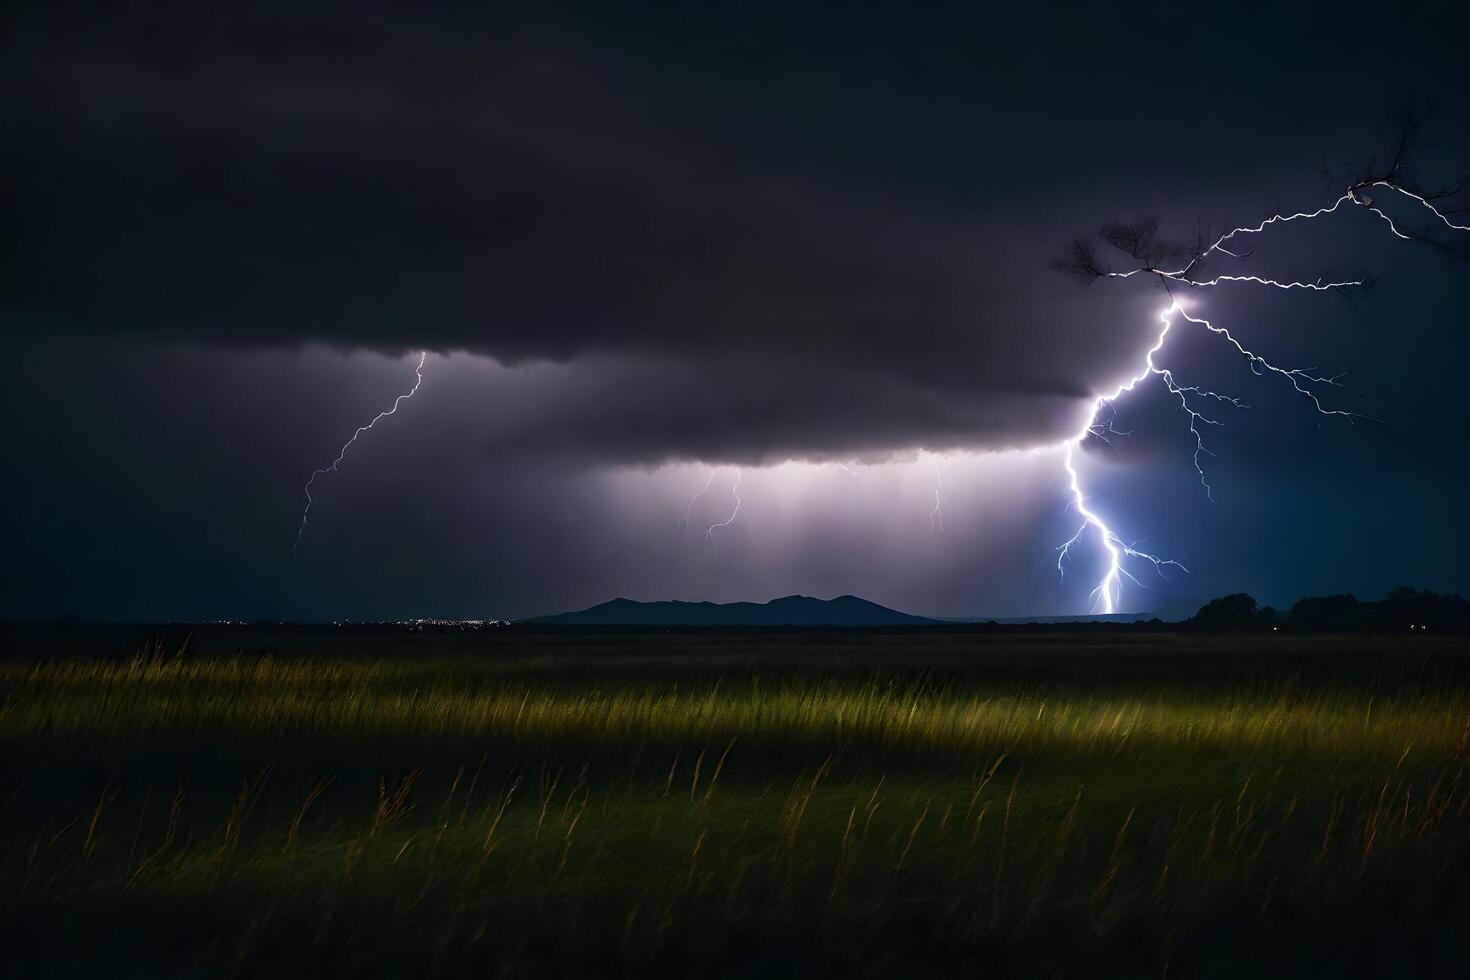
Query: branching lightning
x,y
1174,269
418,373
1137,240
1105,595
1416,197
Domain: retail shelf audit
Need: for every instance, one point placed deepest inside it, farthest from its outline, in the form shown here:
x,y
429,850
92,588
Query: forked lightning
x,y
418,373
1137,241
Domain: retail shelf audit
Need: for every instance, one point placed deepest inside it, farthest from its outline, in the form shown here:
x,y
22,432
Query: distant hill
x,y
792,610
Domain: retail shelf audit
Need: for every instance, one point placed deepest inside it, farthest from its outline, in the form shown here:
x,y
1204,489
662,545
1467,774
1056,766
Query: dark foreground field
x,y
738,805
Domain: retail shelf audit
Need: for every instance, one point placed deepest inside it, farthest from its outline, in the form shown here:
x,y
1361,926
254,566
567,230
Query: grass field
x,y
741,805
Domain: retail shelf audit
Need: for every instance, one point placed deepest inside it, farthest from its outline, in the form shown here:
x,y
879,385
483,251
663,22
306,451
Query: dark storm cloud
x,y
708,233
265,177
524,204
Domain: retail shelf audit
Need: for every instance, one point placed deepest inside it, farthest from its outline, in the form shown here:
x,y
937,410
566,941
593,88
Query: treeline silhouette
x,y
1404,610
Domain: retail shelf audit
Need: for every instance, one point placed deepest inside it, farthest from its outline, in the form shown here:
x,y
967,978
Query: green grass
x,y
742,805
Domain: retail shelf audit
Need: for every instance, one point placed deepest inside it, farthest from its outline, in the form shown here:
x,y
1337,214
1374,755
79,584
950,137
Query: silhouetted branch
x,y
1388,177
1081,260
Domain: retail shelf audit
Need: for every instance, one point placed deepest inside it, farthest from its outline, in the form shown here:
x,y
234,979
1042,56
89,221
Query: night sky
x,y
650,247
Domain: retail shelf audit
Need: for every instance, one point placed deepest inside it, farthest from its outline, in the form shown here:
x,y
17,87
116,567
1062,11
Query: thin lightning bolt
x,y
418,373
1106,594
936,516
1410,194
710,532
1182,275
689,511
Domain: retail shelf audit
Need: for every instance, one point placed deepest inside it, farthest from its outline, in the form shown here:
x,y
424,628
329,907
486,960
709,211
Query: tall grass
x,y
776,811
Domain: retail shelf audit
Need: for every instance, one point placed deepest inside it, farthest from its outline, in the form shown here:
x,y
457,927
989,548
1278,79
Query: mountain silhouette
x,y
792,610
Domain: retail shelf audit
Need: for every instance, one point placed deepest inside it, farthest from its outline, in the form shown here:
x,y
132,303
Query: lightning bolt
x,y
689,511
936,516
1416,197
710,532
1106,595
418,373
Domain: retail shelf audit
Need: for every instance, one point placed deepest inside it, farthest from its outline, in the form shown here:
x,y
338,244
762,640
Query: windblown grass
x,y
856,805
